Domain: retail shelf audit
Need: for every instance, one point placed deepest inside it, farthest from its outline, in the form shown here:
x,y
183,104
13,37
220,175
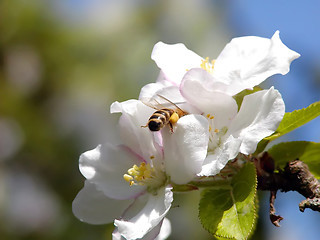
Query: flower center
x,y
206,65
145,174
215,134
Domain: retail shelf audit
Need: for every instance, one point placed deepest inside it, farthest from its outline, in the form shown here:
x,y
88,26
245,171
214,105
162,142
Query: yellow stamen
x,y
128,178
132,171
206,65
138,175
216,130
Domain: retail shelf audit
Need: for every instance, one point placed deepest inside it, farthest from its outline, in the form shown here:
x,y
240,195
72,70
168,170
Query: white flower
x,y
130,182
244,63
209,86
231,131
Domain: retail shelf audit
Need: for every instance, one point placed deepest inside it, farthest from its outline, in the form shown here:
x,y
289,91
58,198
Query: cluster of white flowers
x,y
131,183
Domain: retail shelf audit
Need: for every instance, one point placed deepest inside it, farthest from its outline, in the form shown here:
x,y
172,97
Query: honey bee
x,y
164,116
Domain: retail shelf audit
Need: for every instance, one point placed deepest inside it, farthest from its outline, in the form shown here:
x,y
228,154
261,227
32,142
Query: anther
x,y
206,65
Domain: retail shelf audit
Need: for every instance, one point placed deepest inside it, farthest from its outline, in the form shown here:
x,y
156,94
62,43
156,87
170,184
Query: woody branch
x,y
294,177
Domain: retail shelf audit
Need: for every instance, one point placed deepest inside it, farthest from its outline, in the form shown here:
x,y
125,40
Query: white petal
x,y
170,97
186,148
105,166
248,61
160,232
203,81
150,89
165,230
258,117
149,217
133,108
196,89
174,60
116,235
218,159
92,206
163,96
135,114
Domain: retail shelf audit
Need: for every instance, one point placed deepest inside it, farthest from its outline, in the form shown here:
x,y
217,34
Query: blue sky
x,y
298,22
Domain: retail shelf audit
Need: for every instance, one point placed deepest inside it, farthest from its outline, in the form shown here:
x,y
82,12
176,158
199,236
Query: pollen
x,y
174,118
138,175
210,116
206,65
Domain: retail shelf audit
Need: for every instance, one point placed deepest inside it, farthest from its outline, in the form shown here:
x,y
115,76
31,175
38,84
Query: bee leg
x,y
144,126
171,127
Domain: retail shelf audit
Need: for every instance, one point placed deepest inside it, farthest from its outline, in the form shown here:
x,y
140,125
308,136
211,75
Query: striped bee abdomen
x,y
159,118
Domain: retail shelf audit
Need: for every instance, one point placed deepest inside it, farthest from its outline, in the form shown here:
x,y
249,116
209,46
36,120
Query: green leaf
x,y
239,97
308,152
261,146
230,213
295,119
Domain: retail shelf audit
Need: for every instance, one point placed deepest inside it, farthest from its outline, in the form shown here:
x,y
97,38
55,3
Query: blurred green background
x,y
62,63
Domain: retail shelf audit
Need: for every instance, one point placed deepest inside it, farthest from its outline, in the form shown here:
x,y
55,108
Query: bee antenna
x,y
169,101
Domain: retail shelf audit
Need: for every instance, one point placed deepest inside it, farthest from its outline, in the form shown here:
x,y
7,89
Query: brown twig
x,y
275,219
294,177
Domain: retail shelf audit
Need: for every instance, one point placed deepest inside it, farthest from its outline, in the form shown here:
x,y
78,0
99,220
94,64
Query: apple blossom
x,y
244,63
207,88
131,182
230,131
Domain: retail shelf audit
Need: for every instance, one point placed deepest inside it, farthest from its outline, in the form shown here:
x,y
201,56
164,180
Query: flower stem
x,y
202,182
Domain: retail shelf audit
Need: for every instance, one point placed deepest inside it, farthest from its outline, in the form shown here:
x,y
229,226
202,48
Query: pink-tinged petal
x,y
149,217
198,88
186,148
247,61
105,166
258,117
174,60
92,206
217,160
135,114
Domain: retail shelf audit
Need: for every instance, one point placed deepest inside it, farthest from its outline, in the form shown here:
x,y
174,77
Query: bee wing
x,y
150,103
158,101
